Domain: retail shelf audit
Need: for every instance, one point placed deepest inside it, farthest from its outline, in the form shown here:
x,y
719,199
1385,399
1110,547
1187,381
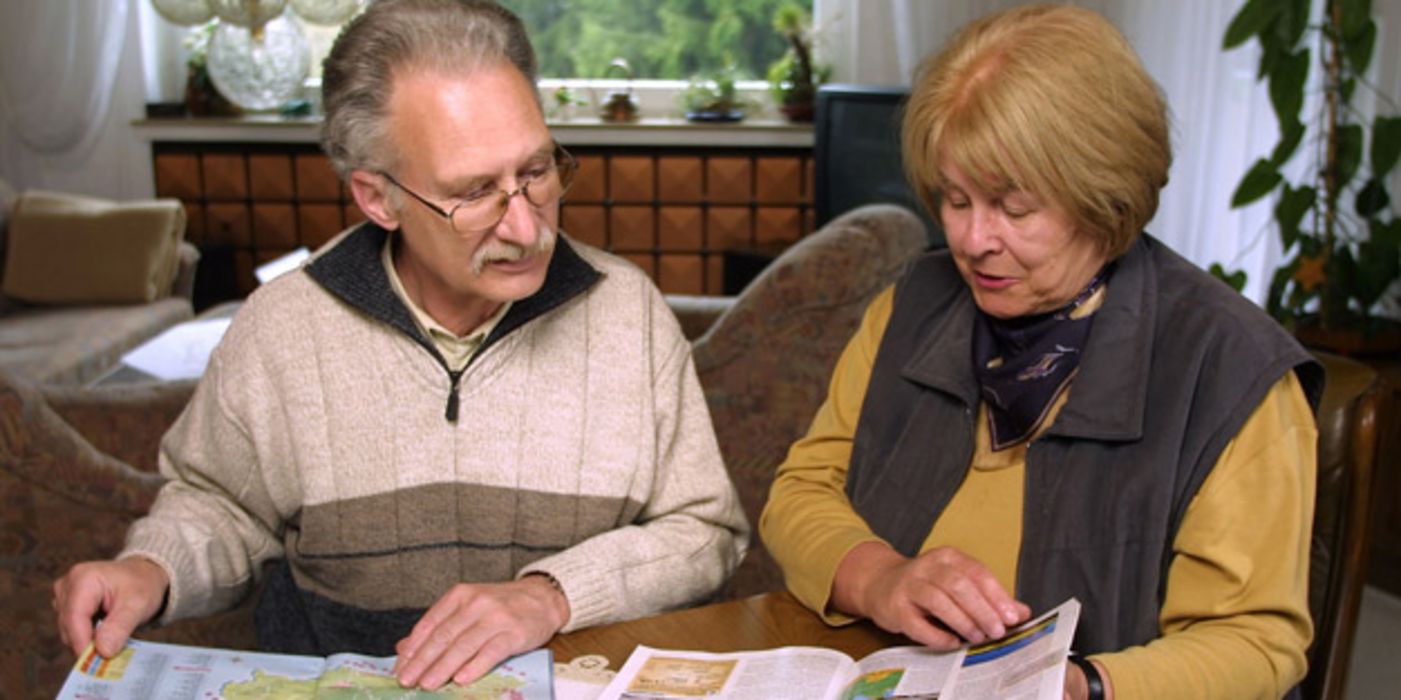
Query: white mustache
x,y
505,251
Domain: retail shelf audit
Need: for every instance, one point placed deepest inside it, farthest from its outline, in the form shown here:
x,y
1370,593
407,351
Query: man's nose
x,y
519,223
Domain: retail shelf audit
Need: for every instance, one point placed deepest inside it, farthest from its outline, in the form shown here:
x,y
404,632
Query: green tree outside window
x,y
661,39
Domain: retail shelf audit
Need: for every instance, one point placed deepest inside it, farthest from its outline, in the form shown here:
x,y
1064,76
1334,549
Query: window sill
x,y
581,131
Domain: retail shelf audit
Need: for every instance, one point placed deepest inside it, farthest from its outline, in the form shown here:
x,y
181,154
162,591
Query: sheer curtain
x,y
1221,119
70,83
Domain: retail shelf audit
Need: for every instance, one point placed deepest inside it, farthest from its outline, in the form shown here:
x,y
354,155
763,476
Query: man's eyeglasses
x,y
541,185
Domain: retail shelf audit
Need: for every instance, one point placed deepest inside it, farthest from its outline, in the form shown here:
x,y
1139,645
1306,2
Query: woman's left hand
x,y
940,598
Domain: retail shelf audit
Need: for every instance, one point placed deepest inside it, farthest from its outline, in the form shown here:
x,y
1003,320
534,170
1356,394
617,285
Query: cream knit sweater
x,y
583,449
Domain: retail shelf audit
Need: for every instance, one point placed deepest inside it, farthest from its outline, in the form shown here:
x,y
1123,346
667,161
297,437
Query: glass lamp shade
x,y
330,12
184,12
247,13
262,72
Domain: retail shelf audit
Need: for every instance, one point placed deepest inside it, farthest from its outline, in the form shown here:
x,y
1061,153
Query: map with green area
x,y
354,684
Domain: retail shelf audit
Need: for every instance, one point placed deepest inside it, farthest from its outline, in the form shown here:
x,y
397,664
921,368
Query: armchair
x,y
77,466
766,362
85,280
1348,440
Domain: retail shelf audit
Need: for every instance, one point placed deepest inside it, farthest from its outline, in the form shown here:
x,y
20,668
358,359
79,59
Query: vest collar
x,y
1108,398
351,270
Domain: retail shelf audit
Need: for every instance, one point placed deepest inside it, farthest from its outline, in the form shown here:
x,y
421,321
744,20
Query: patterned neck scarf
x,y
1024,364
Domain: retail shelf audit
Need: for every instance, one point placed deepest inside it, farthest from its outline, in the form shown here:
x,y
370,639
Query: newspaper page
x,y
788,672
1027,664
146,670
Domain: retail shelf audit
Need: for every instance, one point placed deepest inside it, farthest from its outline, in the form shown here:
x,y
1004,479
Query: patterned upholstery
x,y
766,362
76,467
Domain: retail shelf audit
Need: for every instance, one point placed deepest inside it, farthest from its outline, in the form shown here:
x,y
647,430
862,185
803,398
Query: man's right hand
x,y
941,598
126,593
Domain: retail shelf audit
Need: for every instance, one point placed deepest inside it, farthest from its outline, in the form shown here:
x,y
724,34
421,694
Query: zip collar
x,y
351,271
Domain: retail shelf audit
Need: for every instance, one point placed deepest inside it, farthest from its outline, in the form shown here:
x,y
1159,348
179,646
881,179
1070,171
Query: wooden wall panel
x,y
674,211
274,226
225,176
270,176
177,175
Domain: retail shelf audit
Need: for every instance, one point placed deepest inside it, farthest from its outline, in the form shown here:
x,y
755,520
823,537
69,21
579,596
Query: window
x,y
665,39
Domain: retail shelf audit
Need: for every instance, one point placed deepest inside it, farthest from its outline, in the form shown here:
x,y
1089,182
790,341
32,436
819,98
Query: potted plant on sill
x,y
1338,225
793,78
712,97
202,98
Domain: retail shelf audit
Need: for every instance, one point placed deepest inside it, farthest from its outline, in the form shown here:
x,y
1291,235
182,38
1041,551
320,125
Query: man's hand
x,y
476,626
128,592
926,597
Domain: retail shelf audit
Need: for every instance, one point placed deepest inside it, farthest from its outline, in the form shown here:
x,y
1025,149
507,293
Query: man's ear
x,y
371,193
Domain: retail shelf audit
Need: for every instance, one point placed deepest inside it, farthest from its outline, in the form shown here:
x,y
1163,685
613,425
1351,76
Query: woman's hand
x,y
1078,688
941,599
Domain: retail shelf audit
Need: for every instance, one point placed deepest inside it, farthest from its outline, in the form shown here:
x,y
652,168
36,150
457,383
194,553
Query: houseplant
x,y
794,77
202,98
712,97
1337,224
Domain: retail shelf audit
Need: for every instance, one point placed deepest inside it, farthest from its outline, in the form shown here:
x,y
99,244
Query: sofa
x,y
85,280
77,465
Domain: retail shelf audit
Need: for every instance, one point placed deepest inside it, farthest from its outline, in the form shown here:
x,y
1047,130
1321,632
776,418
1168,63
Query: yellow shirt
x,y
1234,622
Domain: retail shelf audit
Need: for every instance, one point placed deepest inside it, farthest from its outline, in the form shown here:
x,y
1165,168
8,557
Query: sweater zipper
x,y
454,378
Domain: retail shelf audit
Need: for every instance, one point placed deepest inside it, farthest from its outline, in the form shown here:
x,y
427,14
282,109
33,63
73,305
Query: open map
x,y
149,670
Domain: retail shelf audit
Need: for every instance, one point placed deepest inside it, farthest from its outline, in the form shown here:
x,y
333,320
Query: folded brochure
x,y
1026,664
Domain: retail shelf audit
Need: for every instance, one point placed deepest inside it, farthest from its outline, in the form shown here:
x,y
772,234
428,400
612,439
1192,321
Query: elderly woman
x,y
1058,405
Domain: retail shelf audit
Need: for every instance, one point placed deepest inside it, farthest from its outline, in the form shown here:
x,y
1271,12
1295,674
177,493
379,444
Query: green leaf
x,y
1310,244
1274,298
1372,198
1294,19
1260,181
1290,210
1388,232
1254,17
1348,85
1349,153
1358,49
1271,51
1377,267
1356,15
1290,135
1386,144
1235,279
1287,85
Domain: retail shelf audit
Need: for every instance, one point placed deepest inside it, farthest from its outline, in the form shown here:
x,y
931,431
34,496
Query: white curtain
x,y
70,84
1221,118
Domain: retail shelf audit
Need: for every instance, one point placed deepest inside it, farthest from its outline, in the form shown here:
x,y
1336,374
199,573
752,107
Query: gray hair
x,y
454,36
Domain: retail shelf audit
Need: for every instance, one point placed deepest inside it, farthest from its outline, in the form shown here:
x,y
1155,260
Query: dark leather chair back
x,y
1347,455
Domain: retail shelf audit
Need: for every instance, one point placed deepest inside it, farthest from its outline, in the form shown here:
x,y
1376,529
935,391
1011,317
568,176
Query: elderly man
x,y
454,432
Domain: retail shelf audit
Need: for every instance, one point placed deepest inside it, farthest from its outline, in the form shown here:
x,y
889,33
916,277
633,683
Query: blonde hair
x,y
1050,100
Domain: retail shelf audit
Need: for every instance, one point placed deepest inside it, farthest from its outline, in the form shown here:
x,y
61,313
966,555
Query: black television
x,y
856,153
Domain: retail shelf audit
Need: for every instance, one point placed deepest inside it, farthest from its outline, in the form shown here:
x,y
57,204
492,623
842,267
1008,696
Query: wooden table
x,y
760,622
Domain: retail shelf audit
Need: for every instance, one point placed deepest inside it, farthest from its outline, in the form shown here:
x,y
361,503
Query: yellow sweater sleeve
x,y
1235,621
808,523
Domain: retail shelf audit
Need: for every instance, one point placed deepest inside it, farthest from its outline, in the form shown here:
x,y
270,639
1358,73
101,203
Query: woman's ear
x,y
371,193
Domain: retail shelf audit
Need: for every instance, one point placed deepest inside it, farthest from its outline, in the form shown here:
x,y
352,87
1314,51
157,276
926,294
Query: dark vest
x,y
1175,364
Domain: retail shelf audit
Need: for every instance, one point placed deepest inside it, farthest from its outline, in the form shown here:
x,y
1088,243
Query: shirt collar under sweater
x,y
351,271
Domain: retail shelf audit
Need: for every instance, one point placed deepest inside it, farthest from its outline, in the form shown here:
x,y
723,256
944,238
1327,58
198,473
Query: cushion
x,y
68,249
